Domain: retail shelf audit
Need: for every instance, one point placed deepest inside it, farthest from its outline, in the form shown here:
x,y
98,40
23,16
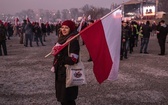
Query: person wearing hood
x,y
67,56
161,35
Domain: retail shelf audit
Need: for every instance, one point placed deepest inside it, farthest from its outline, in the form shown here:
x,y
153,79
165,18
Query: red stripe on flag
x,y
95,41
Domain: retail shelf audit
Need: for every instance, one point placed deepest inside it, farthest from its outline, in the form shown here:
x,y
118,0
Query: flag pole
x,y
79,34
111,12
66,43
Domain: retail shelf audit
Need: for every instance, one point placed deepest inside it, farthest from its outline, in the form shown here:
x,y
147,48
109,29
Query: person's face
x,y
124,24
161,23
90,23
65,30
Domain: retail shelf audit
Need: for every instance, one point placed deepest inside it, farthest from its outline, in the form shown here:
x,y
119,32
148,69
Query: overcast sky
x,y
13,6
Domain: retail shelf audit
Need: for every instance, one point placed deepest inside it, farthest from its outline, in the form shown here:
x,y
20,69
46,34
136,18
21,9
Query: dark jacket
x,y
43,28
62,93
132,32
125,33
2,33
163,30
146,29
29,28
37,31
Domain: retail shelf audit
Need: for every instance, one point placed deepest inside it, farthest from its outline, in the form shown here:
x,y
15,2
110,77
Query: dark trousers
x,y
37,38
123,52
144,44
162,42
131,43
28,37
69,103
44,37
3,44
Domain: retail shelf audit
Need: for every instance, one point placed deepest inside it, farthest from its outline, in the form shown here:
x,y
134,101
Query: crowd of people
x,y
133,33
27,32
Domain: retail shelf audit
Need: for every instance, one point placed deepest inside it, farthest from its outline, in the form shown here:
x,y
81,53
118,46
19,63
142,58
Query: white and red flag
x,y
58,47
103,40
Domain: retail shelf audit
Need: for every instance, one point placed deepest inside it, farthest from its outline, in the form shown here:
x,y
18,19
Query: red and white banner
x,y
103,40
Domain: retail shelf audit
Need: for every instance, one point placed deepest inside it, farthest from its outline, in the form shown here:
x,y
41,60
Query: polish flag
x,y
102,40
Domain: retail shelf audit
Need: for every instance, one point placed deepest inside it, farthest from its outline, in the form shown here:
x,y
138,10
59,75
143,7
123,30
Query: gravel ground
x,y
26,79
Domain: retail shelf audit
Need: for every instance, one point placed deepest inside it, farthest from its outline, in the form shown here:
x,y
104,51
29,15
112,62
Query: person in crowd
x,y
82,25
10,30
154,27
57,28
162,31
136,25
48,28
66,96
16,29
38,34
43,27
89,23
124,39
6,26
146,29
3,33
140,33
28,33
23,39
22,32
132,37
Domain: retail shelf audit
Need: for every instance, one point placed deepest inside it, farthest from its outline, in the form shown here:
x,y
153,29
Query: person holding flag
x,y
104,49
66,96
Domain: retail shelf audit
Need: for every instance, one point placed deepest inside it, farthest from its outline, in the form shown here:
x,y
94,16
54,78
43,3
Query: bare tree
x,y
58,14
74,12
65,14
94,12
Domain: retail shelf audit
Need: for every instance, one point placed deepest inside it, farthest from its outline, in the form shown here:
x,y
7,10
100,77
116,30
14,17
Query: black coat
x,y
125,33
2,33
163,30
37,31
64,94
146,29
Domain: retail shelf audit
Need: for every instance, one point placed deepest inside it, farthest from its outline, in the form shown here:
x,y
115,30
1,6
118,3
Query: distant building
x,y
139,9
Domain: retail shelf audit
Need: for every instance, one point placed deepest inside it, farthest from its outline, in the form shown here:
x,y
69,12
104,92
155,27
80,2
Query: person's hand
x,y
56,49
157,32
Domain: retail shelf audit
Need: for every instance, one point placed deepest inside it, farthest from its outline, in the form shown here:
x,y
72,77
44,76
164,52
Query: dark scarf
x,y
63,38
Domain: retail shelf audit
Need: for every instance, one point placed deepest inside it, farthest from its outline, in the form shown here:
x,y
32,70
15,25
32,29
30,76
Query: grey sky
x,y
13,6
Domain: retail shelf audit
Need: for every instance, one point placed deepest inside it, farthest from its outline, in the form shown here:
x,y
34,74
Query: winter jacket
x,y
29,28
163,30
146,29
2,33
64,94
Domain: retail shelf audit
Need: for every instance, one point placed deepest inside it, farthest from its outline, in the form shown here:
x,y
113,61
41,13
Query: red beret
x,y
70,24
